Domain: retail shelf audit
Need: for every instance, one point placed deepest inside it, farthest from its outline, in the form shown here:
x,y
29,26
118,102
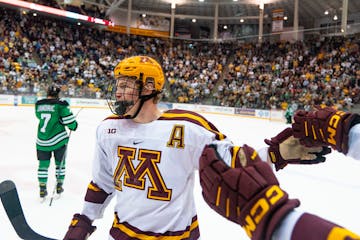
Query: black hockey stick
x,y
11,202
61,165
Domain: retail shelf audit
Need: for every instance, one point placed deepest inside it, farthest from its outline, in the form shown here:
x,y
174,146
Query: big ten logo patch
x,y
111,130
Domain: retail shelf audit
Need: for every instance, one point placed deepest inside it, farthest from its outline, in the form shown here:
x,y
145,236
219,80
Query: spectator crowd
x,y
37,50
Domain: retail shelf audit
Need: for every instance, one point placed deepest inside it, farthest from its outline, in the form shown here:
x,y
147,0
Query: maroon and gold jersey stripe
x,y
195,118
339,233
113,116
125,231
95,194
309,225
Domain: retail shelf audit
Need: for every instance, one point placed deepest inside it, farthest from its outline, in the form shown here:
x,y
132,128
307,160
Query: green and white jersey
x,y
53,115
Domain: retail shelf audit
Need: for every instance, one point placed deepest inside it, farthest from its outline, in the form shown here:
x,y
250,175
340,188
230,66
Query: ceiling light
x,y
261,4
335,17
241,20
193,20
285,18
326,12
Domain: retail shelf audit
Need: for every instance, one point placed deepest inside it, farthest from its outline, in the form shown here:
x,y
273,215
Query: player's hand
x,y
249,196
80,228
285,149
324,126
73,126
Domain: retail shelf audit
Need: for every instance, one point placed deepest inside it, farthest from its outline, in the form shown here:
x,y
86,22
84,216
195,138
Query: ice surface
x,y
331,189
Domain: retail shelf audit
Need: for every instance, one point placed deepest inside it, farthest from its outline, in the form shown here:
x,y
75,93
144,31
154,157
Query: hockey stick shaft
x,y
58,172
11,203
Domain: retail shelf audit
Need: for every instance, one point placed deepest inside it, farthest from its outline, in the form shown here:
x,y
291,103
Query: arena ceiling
x,y
230,11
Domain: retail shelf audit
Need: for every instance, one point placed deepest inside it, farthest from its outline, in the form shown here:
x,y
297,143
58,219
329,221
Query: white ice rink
x,y
331,189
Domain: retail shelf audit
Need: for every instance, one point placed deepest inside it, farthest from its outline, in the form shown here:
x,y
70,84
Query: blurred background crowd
x,y
36,51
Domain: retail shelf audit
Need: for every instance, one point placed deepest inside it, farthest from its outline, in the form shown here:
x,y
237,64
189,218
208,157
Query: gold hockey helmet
x,y
143,68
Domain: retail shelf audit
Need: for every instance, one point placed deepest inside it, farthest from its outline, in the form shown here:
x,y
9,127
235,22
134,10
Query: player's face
x,y
126,96
126,89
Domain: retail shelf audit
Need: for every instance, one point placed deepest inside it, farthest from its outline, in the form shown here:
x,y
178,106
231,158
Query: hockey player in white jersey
x,y
147,159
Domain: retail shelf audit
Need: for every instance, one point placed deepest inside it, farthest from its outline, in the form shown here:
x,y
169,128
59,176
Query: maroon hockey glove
x,y
249,195
325,126
80,228
284,149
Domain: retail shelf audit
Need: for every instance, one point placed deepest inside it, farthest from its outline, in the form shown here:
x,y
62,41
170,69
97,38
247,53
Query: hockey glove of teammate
x,y
248,195
285,149
80,228
326,126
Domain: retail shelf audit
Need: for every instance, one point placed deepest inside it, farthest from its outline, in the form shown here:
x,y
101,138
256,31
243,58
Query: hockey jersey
x,y
53,115
150,169
354,142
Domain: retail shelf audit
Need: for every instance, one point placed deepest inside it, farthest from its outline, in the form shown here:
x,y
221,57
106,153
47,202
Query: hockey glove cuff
x,y
312,227
80,228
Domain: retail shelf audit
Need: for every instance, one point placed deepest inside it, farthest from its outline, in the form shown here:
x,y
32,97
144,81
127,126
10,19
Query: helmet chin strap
x,y
143,98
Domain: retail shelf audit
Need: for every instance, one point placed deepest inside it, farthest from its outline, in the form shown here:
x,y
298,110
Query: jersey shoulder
x,y
63,102
192,117
52,101
113,117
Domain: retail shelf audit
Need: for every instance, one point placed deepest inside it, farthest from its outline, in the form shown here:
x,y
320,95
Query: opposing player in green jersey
x,y
52,138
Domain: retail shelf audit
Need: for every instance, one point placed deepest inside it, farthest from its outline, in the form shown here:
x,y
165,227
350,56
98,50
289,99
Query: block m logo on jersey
x,y
134,177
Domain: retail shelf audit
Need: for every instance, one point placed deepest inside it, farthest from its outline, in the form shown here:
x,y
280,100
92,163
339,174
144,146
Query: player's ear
x,y
149,85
